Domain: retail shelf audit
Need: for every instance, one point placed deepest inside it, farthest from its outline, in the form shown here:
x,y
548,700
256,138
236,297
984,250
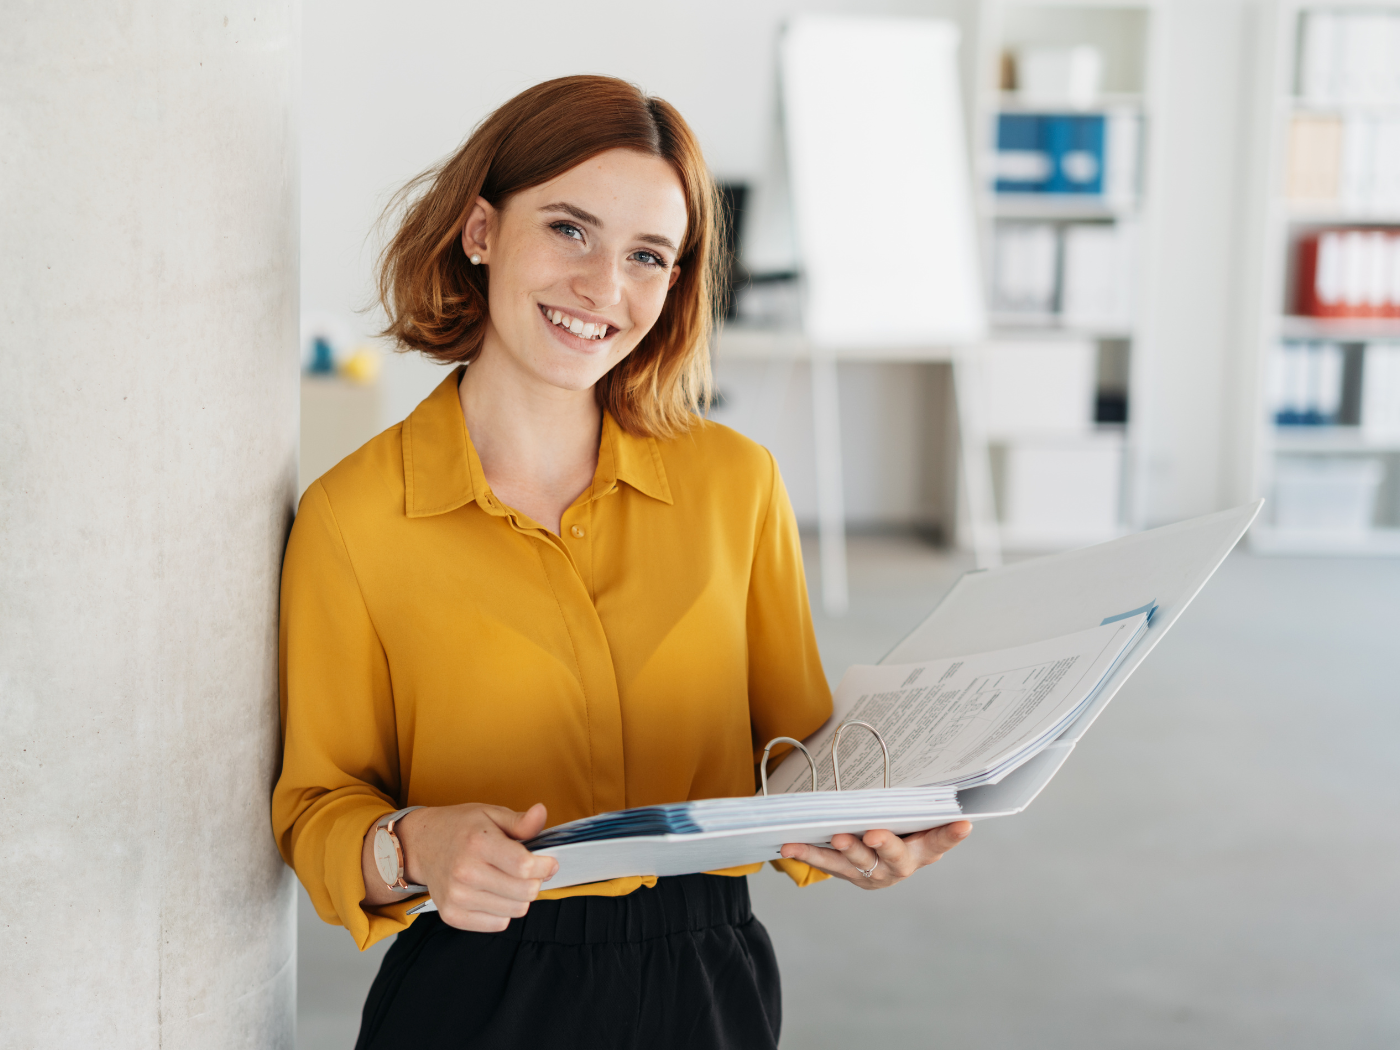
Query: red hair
x,y
436,301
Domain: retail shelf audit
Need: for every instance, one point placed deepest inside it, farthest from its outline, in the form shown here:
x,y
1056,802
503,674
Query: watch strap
x,y
390,818
387,822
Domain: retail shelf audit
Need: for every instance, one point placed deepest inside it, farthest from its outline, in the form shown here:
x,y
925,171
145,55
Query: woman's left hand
x,y
893,859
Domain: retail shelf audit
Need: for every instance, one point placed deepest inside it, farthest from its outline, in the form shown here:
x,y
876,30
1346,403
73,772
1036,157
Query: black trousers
x,y
683,965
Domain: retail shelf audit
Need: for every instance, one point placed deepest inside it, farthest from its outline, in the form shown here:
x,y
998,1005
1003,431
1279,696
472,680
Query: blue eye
x,y
650,258
568,229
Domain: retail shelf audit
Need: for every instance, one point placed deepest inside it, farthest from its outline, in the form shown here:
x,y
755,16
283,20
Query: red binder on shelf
x,y
1349,273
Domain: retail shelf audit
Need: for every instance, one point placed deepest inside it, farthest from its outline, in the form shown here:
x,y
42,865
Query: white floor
x,y
1218,865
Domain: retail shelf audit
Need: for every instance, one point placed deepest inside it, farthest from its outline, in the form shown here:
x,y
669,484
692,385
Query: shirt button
x,y
577,530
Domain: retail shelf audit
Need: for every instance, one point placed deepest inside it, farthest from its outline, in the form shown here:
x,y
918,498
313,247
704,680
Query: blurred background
x,y
1187,237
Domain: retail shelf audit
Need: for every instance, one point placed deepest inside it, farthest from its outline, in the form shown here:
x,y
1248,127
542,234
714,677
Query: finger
x,y
520,826
463,899
882,850
478,875
475,921
861,856
525,826
930,845
895,855
511,858
485,922
831,861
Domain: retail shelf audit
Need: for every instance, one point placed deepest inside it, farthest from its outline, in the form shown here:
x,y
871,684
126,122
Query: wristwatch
x,y
388,854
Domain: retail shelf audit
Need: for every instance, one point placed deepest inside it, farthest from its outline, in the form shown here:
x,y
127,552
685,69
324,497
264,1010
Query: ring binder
x,y
763,766
836,739
983,610
811,762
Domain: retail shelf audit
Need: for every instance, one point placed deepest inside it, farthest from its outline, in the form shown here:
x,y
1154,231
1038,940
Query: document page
x,y
959,721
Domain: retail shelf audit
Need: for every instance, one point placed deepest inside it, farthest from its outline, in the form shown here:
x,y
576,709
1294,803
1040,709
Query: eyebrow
x,y
593,220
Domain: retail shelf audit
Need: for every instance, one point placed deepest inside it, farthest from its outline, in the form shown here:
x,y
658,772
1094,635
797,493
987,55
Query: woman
x,y
554,590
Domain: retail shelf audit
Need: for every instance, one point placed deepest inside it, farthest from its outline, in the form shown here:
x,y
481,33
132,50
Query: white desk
x,y
784,347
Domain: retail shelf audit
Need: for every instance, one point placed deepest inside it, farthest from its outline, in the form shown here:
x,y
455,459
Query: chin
x,y
572,371
564,377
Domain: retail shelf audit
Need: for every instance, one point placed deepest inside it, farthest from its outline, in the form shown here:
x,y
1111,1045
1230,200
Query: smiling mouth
x,y
574,326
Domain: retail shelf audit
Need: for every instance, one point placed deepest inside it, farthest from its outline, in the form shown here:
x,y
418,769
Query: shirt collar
x,y
443,472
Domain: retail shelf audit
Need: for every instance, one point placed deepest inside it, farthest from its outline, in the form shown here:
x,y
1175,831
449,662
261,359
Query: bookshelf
x,y
1065,263
1318,402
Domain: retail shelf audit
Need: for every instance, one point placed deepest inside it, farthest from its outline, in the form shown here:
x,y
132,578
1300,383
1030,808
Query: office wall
x,y
389,90
148,428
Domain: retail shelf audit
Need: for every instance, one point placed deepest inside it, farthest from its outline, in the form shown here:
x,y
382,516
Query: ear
x,y
675,276
477,231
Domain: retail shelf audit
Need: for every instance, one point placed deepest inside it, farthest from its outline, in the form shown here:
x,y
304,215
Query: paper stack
x,y
867,808
949,725
967,720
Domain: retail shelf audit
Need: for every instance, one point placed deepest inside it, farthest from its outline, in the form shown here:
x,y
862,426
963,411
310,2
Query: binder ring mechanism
x,y
835,763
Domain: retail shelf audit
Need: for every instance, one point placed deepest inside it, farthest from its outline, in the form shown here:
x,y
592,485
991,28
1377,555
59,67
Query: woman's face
x,y
580,265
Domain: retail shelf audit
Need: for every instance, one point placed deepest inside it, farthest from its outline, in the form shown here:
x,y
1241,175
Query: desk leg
x,y
831,503
777,382
975,459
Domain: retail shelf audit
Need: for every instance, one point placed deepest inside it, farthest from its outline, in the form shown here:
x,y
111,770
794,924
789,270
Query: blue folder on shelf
x,y
1050,153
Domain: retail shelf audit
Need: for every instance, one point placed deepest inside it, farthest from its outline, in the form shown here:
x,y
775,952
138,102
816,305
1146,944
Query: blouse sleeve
x,y
788,691
340,769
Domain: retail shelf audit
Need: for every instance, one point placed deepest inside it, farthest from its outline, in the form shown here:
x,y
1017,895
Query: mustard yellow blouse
x,y
438,647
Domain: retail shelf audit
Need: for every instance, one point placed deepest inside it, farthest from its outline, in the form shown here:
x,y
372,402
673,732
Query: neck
x,y
538,443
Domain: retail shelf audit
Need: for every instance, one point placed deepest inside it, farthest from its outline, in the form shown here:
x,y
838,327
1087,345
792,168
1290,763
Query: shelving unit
x,y
1271,318
1127,36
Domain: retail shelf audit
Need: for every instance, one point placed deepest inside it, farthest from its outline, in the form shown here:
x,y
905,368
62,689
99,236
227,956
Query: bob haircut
x,y
436,301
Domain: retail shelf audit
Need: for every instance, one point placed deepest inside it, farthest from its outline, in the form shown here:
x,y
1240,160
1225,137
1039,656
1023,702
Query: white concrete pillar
x,y
148,420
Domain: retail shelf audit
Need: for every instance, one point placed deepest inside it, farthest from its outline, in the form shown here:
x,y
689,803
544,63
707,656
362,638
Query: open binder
x,y
1111,603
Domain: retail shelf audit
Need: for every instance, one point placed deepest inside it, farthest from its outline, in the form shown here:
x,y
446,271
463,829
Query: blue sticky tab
x,y
1149,608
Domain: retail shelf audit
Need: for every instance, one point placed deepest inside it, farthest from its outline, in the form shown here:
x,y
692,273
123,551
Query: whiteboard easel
x,y
885,229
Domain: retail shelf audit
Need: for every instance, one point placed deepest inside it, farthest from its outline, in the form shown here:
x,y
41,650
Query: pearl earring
x,y
476,260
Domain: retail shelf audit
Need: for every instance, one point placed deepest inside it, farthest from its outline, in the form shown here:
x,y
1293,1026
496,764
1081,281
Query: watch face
x,y
386,857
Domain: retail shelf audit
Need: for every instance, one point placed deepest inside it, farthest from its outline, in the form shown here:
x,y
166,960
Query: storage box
x,y
1326,494
1059,76
1039,387
1057,494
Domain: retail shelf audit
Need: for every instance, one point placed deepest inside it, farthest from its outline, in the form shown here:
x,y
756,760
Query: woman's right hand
x,y
471,859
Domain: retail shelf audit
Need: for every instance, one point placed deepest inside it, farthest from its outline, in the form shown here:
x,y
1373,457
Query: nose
x,y
599,280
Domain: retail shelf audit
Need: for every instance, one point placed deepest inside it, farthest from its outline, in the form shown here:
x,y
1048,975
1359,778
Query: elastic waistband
x,y
676,904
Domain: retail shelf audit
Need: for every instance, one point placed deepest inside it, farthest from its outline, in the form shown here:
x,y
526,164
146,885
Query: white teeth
x,y
579,328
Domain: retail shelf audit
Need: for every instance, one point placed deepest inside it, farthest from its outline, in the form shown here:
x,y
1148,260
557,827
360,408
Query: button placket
x,y
577,534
